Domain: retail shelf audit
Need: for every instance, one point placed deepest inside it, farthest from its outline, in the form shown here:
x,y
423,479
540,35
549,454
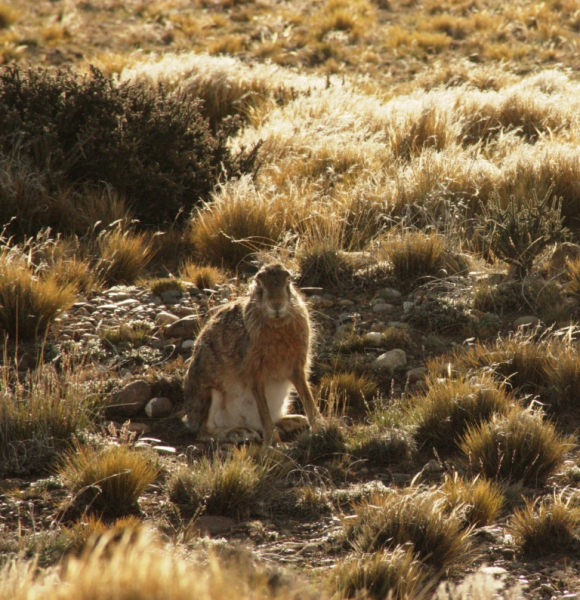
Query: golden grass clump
x,y
29,301
449,406
202,276
419,518
108,480
163,284
38,417
397,575
123,255
343,391
238,223
415,255
520,446
573,277
134,333
545,525
223,486
479,501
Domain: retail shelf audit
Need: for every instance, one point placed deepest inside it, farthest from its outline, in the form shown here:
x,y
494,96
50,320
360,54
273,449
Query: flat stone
x,y
171,295
375,338
129,400
118,296
127,303
346,302
159,407
213,525
390,361
165,318
527,322
418,374
187,327
167,450
390,294
320,302
383,307
138,428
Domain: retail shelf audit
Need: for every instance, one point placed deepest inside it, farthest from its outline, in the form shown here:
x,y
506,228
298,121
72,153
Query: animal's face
x,y
273,286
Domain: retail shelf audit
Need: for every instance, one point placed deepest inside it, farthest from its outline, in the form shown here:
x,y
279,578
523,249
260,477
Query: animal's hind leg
x,y
291,423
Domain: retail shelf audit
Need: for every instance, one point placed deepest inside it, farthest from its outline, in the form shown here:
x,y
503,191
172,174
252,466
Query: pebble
x,y
529,322
166,450
408,307
138,428
374,338
320,302
186,327
171,295
492,570
127,303
390,294
159,407
185,311
383,307
547,588
392,360
187,344
346,302
417,374
130,399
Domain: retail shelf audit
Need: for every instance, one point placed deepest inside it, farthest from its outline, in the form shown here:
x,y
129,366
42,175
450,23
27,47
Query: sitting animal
x,y
246,360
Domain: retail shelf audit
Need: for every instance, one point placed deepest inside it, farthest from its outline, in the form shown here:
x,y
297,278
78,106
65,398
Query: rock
x,y
383,307
167,450
156,343
128,303
548,589
529,322
187,327
187,344
165,318
389,294
129,400
418,374
138,428
375,338
171,296
491,570
394,359
320,302
571,597
159,407
401,477
213,525
346,302
408,307
185,311
558,574
432,467
118,296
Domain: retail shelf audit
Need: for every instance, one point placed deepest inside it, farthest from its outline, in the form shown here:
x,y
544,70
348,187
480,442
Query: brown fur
x,y
264,337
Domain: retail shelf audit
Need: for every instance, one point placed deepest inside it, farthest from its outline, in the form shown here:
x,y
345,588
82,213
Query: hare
x,y
245,361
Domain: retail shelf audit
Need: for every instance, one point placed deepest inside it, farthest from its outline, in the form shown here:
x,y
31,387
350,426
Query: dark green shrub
x,y
150,144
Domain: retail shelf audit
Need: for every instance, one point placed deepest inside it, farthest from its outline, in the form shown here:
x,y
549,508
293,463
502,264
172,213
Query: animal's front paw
x,y
292,423
240,435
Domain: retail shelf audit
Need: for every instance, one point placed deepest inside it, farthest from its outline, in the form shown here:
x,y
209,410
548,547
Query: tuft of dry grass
x,y
204,277
29,301
519,446
449,406
545,526
343,391
158,286
123,255
8,15
397,575
418,518
480,501
108,480
133,333
415,255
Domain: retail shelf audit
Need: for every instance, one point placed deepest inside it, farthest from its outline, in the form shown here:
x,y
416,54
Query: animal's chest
x,y
278,352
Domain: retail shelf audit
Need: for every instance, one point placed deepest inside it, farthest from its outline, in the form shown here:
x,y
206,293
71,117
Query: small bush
x,y
343,391
378,445
134,333
151,145
520,446
224,486
397,575
29,303
519,231
322,445
441,315
418,518
323,264
158,286
479,502
450,406
544,527
109,480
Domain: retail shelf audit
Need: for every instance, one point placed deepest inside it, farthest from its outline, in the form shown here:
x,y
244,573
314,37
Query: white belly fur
x,y
236,406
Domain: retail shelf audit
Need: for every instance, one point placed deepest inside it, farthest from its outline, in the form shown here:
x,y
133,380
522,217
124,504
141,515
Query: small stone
x,y
343,330
433,466
127,303
528,322
171,296
346,302
118,296
213,525
390,294
401,477
383,307
571,597
138,428
187,327
129,400
167,450
392,360
547,588
559,574
491,570
188,344
159,407
418,374
408,307
156,343
185,311
375,338
320,302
